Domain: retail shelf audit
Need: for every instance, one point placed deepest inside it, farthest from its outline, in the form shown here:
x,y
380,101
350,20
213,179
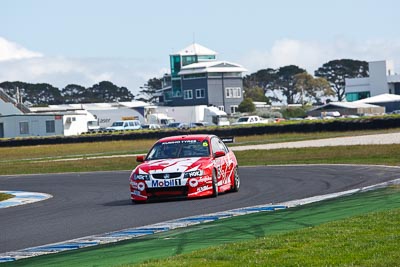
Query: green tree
x,y
256,94
73,93
263,78
285,82
37,94
247,105
336,71
311,89
148,92
106,91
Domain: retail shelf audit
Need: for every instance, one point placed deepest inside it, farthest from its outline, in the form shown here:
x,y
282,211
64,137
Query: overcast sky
x,y
129,41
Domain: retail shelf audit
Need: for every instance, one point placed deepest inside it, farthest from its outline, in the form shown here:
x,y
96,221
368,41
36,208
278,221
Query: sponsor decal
x,y
193,182
196,173
203,188
205,143
205,179
134,185
136,192
166,183
141,186
179,142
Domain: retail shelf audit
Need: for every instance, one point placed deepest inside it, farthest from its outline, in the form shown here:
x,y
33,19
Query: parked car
x,y
151,126
188,166
250,120
125,125
179,125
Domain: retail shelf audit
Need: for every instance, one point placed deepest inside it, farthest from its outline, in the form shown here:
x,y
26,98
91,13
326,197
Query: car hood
x,y
173,165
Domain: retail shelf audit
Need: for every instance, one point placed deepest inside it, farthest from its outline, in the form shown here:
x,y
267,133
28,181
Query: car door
x,y
221,163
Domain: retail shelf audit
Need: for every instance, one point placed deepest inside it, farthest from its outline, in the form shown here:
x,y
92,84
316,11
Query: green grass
x,y
367,240
368,154
52,158
4,196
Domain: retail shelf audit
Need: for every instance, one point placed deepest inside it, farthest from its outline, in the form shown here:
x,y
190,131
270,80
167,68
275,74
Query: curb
x,y
21,198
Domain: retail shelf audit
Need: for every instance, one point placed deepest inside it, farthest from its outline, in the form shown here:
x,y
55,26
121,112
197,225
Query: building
x,y
391,102
381,80
345,109
102,114
197,78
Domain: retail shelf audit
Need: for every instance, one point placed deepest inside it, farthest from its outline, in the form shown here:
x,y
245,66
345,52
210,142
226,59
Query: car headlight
x,y
141,177
192,174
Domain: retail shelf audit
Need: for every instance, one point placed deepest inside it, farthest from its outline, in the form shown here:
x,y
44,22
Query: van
x,y
125,125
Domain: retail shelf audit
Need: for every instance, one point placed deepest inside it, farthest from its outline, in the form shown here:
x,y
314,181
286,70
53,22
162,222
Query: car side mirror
x,y
219,154
140,158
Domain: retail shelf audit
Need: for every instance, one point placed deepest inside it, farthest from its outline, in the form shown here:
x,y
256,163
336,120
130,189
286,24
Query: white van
x,y
125,125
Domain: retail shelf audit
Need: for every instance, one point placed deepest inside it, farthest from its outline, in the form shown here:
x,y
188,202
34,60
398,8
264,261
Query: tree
x,y
256,94
73,94
247,105
311,88
261,78
36,94
285,82
149,90
336,71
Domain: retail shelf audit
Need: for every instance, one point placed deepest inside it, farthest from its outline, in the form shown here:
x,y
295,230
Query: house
x,y
197,78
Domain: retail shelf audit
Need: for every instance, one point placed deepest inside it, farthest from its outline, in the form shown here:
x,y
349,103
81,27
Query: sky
x,y
128,42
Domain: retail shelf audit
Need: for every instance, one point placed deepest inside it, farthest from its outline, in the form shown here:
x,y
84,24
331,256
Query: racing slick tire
x,y
214,184
236,181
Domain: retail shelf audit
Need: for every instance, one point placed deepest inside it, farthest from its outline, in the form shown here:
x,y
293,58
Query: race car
x,y
188,166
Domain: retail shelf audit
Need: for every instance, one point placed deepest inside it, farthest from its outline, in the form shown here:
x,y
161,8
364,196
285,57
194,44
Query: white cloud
x,y
12,51
20,64
312,54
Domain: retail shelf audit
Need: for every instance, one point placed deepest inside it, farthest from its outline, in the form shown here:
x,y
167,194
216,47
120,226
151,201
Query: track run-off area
x,y
87,204
71,206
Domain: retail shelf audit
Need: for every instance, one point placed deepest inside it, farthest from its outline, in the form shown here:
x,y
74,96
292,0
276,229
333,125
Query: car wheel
x,y
236,181
214,184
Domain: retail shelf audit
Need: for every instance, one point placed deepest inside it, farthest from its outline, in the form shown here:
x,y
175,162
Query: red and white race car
x,y
185,166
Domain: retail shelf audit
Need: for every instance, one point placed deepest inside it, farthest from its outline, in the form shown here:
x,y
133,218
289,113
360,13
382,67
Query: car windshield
x,y
244,119
179,149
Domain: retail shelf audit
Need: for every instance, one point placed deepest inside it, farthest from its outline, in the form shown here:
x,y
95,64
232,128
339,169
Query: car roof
x,y
199,137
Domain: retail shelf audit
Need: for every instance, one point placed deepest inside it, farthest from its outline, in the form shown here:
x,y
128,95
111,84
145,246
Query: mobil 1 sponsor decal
x,y
166,183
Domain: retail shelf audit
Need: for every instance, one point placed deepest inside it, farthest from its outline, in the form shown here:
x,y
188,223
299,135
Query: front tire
x,y
214,184
236,181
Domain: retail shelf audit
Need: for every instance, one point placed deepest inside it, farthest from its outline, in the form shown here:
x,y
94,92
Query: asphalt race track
x,y
85,204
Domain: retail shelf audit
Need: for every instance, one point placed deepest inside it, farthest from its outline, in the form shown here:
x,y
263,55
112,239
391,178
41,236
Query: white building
x,y
103,113
382,80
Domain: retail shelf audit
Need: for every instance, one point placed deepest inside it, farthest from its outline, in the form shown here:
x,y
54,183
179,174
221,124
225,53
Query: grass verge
x,y
368,154
4,196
